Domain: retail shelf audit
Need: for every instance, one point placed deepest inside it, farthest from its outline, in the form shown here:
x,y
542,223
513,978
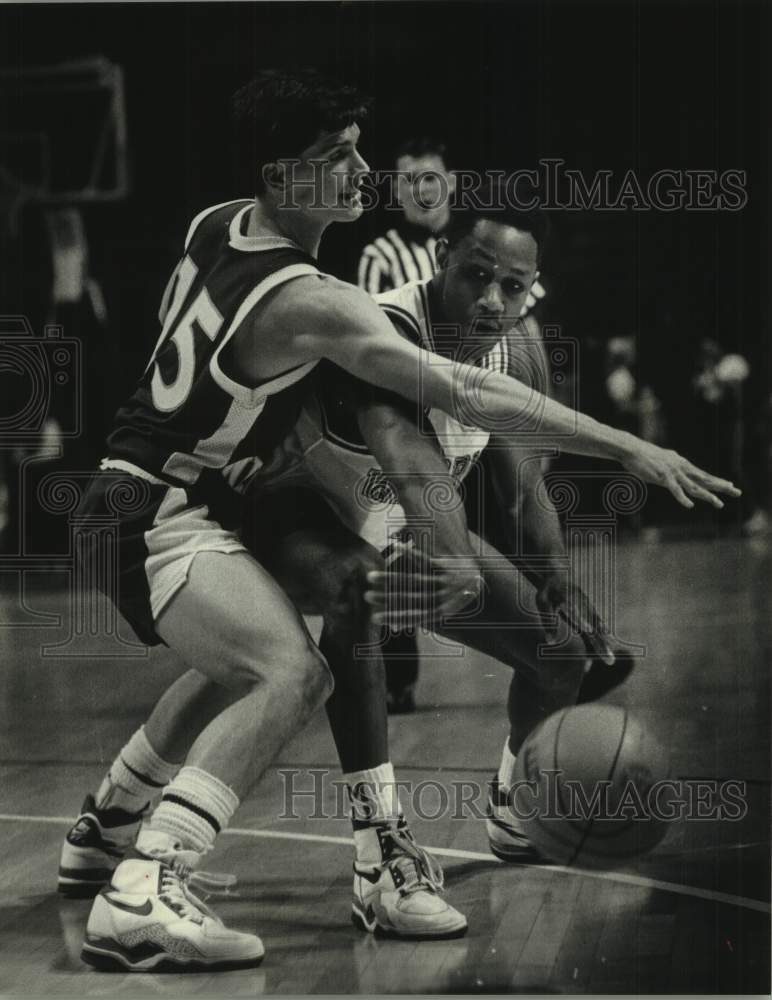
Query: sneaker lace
x,y
177,896
209,883
418,868
178,873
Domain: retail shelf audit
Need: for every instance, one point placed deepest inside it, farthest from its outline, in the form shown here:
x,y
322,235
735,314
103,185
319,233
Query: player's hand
x,y
557,596
420,589
669,469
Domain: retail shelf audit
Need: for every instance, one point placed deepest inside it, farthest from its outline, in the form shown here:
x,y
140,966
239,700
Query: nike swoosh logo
x,y
141,911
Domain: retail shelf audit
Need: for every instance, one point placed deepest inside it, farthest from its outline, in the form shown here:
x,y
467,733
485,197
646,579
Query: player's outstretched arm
x,y
331,319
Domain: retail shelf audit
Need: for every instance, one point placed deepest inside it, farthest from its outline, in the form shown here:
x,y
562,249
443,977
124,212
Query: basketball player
x,y
246,318
405,253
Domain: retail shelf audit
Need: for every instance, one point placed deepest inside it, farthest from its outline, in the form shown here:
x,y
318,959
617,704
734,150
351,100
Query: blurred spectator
x,y
630,405
718,386
81,311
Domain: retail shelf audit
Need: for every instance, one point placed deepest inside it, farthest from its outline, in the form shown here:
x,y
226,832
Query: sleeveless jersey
x,y
326,452
188,419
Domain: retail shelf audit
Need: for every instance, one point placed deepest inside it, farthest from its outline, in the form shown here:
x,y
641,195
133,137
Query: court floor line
x,y
622,878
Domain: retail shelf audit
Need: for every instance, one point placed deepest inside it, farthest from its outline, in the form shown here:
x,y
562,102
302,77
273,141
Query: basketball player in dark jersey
x,y
237,339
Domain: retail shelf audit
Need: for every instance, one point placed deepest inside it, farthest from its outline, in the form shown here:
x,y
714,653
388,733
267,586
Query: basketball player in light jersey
x,y
246,317
377,461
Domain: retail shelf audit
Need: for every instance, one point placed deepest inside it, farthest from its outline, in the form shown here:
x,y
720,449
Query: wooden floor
x,y
693,917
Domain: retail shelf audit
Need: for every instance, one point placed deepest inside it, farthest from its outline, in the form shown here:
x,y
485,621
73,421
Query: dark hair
x,y
491,200
423,145
279,113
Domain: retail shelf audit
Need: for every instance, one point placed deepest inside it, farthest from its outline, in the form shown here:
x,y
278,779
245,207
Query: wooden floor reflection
x,y
693,917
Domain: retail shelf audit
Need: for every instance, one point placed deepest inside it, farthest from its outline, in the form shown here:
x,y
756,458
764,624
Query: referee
x,y
403,254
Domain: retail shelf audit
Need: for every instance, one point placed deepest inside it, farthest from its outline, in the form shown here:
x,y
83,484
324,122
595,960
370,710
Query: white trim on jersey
x,y
252,396
253,244
208,211
119,465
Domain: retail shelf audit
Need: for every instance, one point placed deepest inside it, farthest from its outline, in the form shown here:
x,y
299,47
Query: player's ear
x,y
451,178
441,252
273,176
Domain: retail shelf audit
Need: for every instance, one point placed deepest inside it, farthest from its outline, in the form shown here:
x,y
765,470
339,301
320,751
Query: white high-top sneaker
x,y
147,919
401,897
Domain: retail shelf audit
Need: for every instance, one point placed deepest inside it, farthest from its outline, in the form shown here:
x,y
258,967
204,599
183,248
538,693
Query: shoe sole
x,y
110,961
359,921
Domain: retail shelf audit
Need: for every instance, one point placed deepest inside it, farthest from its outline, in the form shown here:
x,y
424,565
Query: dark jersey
x,y
188,417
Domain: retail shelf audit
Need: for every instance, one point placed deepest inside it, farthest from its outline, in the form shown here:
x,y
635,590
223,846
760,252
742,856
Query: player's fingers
x,y
713,482
380,581
599,643
586,621
695,490
413,610
402,617
676,489
400,598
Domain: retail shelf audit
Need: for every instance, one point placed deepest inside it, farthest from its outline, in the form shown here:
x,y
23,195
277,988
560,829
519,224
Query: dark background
x,y
601,85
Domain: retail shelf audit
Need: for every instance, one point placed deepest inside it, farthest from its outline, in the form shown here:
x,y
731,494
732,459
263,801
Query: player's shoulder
x,y
214,215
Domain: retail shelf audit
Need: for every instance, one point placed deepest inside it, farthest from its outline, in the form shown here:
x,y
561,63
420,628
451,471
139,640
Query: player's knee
x,y
292,665
301,673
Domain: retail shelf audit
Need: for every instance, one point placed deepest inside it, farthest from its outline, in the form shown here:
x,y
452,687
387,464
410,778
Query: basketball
x,y
585,790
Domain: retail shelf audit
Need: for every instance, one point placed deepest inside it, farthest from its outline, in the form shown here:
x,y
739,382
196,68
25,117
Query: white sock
x,y
136,776
506,773
374,800
195,807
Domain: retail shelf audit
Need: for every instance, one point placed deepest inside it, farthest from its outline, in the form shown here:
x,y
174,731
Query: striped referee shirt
x,y
405,254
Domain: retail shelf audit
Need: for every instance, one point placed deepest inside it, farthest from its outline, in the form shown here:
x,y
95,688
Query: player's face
x,y
423,189
329,175
485,278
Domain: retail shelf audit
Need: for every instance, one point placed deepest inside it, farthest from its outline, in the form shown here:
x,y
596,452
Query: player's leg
x,y
233,623
396,884
109,820
400,657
